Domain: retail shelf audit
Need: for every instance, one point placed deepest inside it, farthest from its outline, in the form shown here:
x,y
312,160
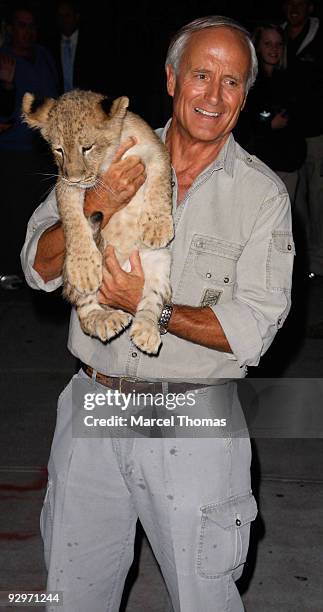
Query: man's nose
x,y
214,91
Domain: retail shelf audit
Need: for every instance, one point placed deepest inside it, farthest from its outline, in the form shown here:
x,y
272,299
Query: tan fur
x,y
84,138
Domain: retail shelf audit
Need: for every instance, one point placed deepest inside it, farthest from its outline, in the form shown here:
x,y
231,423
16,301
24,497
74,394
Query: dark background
x,y
130,41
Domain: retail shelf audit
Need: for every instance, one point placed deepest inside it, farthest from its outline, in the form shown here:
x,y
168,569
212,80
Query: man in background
x,y
304,59
26,66
73,49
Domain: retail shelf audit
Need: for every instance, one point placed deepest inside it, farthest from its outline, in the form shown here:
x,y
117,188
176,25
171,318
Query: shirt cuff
x,y
27,256
242,332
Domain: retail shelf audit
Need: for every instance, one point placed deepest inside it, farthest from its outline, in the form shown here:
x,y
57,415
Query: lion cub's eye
x,y
59,150
87,149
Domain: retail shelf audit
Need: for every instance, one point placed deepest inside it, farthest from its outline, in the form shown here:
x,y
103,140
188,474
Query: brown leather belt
x,y
126,384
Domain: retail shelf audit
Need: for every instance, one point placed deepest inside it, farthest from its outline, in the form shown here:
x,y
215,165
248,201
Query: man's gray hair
x,y
180,40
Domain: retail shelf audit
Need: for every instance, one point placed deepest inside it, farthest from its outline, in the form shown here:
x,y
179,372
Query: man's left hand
x,y
121,289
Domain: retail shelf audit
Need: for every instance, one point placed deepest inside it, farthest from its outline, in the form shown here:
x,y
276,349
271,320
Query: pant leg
x,y
194,501
88,520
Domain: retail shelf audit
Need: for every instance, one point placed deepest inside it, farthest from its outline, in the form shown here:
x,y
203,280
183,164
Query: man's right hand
x,y
118,185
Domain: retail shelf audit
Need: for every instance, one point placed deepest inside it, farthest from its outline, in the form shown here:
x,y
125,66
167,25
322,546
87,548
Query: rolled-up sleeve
x,y
262,295
43,217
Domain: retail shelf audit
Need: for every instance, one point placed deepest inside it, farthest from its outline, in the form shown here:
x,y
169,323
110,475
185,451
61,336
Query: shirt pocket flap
x,y
215,260
283,242
237,512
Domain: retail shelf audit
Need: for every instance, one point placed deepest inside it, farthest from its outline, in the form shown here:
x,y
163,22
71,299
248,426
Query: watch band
x,y
164,318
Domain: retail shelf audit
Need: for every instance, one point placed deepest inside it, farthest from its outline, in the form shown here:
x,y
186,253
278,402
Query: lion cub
x,y
84,130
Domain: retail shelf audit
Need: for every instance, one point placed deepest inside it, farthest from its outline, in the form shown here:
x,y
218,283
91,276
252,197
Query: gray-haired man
x,y
231,275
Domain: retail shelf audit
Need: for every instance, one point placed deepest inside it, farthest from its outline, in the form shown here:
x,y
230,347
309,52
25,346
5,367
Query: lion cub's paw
x,y
84,272
156,231
105,325
145,335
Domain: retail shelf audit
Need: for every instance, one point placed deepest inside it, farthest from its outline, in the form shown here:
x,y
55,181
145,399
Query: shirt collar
x,y
225,158
73,38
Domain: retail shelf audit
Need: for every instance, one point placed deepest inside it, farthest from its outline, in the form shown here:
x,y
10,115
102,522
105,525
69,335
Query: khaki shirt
x,y
233,250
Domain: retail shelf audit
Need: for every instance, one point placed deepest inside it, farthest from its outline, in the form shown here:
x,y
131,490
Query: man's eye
x,y
231,82
201,76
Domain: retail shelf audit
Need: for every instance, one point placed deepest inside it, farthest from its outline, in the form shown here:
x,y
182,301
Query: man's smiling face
x,y
297,12
209,91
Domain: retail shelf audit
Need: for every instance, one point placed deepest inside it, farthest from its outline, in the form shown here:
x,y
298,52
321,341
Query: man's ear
x,y
243,103
170,80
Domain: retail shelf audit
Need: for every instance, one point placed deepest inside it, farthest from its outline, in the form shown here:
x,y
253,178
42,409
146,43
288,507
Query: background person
x,y
267,125
77,53
304,59
29,68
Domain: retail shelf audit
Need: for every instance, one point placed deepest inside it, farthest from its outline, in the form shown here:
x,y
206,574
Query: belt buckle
x,y
126,379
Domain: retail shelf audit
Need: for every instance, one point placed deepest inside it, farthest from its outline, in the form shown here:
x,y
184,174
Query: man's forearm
x,y
198,325
49,257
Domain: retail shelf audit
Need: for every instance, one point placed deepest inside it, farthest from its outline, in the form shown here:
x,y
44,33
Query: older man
x,y
231,274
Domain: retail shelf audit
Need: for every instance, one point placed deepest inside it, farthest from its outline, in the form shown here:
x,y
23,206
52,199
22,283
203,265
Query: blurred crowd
x,y
281,123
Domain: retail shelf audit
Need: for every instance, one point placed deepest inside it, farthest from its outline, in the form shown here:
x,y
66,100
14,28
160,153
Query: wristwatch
x,y
164,318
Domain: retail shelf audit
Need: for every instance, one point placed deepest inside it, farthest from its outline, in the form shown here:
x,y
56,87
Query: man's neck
x,y
294,31
188,156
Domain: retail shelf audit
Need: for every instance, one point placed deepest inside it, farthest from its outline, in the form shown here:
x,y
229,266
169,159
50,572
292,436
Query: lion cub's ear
x,y
35,112
115,108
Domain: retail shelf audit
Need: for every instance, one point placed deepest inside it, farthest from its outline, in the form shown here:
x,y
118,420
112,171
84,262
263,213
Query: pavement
x,y
284,566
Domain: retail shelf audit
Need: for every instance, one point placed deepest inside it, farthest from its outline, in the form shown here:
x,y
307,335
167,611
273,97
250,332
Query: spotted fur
x,y
84,129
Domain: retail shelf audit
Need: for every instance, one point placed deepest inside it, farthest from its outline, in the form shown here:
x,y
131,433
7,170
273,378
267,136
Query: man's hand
x,y
7,70
121,289
117,186
279,121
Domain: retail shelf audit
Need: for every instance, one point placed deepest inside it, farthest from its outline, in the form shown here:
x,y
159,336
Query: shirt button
x,y
173,183
289,247
208,275
279,321
226,279
134,354
238,522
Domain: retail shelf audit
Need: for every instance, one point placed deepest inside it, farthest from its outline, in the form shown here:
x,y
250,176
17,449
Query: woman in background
x,y
267,127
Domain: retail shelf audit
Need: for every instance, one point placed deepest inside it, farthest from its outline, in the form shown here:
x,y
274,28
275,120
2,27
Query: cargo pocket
x,y
280,261
224,535
46,522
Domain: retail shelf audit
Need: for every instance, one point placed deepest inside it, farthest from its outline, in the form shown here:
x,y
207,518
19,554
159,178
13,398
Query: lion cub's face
x,y
82,128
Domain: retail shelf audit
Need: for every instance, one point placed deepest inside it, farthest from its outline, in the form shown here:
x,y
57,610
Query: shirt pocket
x,y
280,261
209,273
224,535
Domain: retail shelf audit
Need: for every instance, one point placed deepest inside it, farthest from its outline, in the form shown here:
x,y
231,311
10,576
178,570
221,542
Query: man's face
x,y
68,19
23,30
297,12
209,91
